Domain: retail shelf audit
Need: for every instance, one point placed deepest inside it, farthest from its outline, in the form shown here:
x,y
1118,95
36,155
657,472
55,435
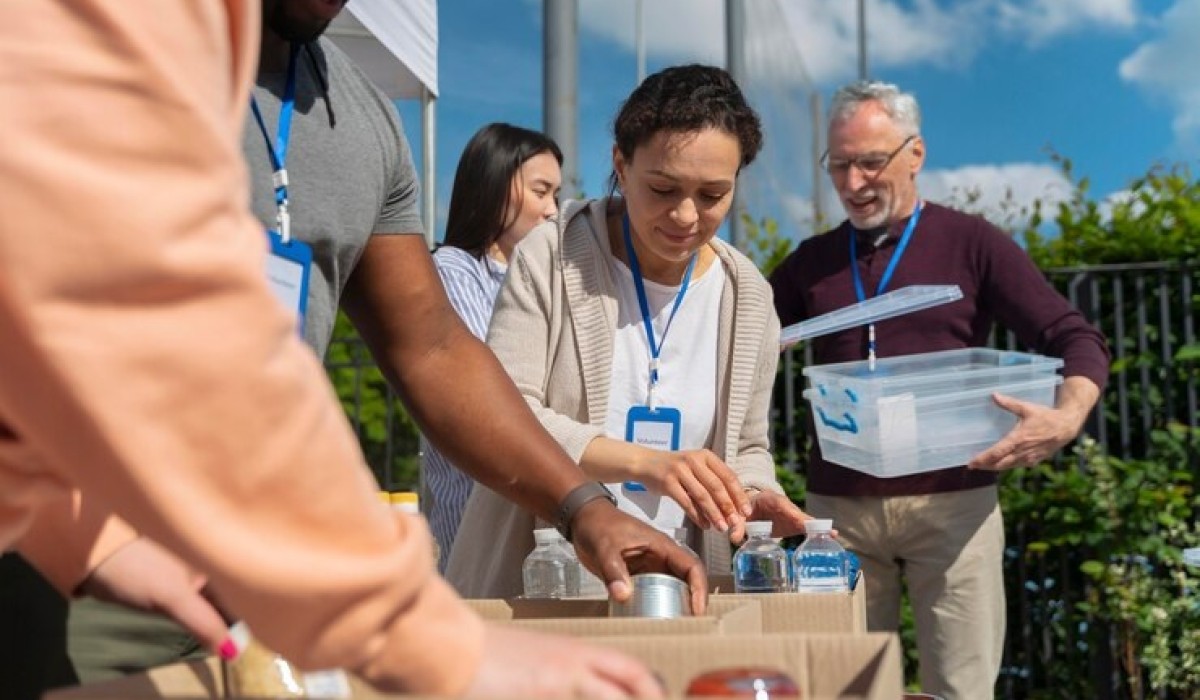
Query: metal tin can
x,y
655,595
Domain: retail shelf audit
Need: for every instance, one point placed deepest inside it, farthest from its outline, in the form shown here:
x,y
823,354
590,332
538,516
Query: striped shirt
x,y
472,286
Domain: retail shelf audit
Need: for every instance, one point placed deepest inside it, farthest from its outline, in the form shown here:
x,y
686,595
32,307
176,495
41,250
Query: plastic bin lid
x,y
895,303
1192,556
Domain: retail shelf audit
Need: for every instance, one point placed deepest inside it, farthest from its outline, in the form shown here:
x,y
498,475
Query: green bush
x,y
1125,602
387,435
1158,218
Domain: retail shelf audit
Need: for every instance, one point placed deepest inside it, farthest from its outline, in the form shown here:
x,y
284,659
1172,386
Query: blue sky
x,y
1113,85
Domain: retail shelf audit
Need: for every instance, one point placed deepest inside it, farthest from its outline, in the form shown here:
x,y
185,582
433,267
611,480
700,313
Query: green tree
x,y
765,245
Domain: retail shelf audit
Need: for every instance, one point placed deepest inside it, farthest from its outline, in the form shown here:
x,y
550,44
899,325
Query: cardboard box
x,y
865,666
861,666
194,679
589,618
806,613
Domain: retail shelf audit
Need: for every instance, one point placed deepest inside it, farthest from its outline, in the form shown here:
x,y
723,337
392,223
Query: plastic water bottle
x,y
760,565
581,583
545,569
590,585
575,570
820,563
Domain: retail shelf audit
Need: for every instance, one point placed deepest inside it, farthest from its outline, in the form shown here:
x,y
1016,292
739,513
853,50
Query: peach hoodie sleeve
x,y
147,364
69,537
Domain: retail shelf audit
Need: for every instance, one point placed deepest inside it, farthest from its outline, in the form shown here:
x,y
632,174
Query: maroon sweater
x,y
999,284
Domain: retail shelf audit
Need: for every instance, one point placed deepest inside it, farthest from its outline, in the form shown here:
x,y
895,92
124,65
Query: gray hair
x,y
900,106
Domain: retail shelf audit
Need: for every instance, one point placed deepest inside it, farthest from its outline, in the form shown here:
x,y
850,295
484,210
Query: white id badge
x,y
288,267
657,428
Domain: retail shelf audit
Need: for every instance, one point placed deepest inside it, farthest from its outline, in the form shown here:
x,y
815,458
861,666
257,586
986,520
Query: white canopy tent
x,y
395,42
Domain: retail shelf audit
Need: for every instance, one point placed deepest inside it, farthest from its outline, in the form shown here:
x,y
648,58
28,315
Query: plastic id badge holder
x,y
657,428
288,269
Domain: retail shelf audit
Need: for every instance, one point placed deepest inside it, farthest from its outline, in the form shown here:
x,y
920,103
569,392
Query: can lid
x,y
817,525
759,528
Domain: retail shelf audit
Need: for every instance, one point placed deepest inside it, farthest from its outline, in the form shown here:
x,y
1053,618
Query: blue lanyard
x,y
887,273
891,267
278,150
640,286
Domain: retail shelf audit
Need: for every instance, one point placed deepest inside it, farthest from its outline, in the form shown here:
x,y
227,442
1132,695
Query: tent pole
x,y
428,160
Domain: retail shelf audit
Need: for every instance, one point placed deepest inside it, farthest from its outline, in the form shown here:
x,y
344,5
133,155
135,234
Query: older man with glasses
x,y
942,530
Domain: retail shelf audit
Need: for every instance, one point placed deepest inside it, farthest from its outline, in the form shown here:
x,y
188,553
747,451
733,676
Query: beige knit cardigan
x,y
553,329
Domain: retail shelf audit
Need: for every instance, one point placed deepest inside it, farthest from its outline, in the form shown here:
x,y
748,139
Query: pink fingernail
x,y
228,649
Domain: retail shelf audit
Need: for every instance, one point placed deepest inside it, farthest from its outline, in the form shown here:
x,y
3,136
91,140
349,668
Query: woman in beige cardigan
x,y
646,346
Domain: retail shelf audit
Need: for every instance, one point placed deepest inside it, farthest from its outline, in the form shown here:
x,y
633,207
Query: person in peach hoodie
x,y
155,392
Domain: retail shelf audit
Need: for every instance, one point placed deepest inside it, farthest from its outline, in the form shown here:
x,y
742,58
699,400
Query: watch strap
x,y
579,497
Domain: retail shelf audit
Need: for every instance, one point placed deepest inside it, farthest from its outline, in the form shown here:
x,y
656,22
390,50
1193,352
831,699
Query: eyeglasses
x,y
869,164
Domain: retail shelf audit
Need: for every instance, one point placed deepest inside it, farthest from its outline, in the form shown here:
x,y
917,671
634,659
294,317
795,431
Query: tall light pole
x,y
735,63
639,40
862,39
560,85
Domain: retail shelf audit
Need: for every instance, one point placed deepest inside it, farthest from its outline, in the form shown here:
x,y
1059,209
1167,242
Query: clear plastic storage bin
x,y
918,413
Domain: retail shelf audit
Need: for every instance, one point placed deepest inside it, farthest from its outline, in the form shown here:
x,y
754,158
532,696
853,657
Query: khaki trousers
x,y
949,547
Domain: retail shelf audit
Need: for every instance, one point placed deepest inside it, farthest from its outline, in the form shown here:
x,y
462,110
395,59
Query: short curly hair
x,y
687,98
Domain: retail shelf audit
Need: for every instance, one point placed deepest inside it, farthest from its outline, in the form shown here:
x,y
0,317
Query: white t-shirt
x,y
687,372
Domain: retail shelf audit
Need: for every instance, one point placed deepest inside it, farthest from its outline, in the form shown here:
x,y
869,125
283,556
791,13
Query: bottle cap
x,y
239,632
817,525
759,528
405,502
546,535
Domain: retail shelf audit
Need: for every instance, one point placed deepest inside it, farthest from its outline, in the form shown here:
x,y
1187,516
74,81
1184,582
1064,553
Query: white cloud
x,y
1166,67
1003,193
817,40
1038,21
680,30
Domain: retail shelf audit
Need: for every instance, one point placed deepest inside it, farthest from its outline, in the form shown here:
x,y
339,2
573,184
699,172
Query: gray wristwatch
x,y
579,497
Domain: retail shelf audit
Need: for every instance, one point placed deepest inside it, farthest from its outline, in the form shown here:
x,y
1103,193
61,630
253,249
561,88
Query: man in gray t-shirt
x,y
345,133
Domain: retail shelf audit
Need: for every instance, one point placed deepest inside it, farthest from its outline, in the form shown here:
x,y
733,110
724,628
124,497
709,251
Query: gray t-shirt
x,y
346,181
